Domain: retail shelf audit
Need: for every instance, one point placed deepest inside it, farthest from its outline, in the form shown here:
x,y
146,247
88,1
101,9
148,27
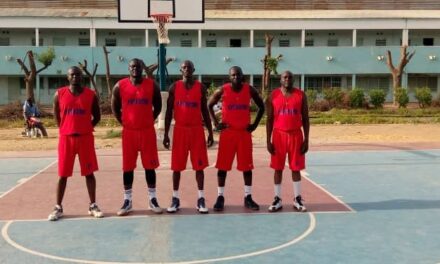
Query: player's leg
x,y
201,205
279,140
248,201
150,177
296,164
91,188
276,204
175,200
221,181
245,164
129,157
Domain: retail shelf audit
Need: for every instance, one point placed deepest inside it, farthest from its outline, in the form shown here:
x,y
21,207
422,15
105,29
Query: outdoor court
x,y
367,204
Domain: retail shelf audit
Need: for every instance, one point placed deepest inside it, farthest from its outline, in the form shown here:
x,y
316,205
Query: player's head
x,y
187,69
74,76
286,79
135,68
235,75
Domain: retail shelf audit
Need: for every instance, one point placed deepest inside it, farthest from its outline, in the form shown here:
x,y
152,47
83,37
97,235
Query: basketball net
x,y
161,21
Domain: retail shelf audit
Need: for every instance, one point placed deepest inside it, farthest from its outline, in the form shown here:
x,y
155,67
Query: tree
x,y
83,67
149,70
270,64
107,73
397,72
30,73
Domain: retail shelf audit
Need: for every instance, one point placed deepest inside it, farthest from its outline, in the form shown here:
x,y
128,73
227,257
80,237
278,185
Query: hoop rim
x,y
161,15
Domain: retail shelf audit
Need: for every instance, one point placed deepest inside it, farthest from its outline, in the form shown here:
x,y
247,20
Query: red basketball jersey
x,y
236,106
187,109
75,111
137,103
287,109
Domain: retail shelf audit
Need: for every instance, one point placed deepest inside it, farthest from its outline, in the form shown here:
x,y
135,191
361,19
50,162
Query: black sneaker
x,y
175,204
220,203
298,205
201,206
250,204
154,206
126,208
276,205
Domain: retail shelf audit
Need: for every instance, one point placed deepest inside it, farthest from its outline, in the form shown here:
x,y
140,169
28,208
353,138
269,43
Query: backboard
x,y
140,11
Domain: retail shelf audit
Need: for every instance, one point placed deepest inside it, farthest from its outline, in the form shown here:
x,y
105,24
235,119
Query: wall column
x,y
354,41
37,37
251,37
303,38
353,81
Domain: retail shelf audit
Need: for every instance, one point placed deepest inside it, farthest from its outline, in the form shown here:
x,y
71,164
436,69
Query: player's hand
x,y
166,141
270,148
221,126
251,128
305,147
210,140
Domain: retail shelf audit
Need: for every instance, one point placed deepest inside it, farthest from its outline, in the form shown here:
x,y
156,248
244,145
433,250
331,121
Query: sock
x,y
176,194
220,191
128,194
296,188
201,193
277,189
247,190
152,193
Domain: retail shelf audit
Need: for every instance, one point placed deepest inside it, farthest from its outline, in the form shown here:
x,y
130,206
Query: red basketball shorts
x,y
287,143
143,141
233,142
192,140
69,146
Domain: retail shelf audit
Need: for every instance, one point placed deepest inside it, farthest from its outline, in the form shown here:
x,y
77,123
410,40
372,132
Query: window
x,y
428,41
284,43
84,42
381,42
372,82
110,42
33,42
259,43
4,42
319,83
235,43
57,41
422,81
186,43
309,43
211,43
333,42
56,82
136,42
360,42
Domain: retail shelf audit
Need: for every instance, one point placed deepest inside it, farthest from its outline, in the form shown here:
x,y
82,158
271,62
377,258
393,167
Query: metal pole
x,y
162,67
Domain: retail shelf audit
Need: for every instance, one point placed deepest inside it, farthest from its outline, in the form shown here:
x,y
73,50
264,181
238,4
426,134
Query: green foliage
x,y
401,96
312,95
113,133
334,96
46,57
272,64
211,89
377,97
356,97
423,96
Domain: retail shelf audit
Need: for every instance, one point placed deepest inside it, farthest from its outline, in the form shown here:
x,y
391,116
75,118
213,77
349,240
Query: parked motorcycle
x,y
34,128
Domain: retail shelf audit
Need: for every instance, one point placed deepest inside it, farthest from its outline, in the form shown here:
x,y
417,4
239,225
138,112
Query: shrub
x,y
312,95
401,96
334,96
106,108
46,57
377,97
320,105
423,96
357,98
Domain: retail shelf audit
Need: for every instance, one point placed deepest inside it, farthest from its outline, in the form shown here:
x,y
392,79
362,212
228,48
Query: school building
x,y
337,43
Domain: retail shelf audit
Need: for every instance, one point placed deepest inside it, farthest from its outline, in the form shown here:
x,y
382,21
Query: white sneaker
x,y
276,205
154,206
56,214
175,205
201,206
95,211
126,208
298,205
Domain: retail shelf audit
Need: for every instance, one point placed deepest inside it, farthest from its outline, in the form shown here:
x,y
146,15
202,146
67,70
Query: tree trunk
x,y
107,73
397,72
266,70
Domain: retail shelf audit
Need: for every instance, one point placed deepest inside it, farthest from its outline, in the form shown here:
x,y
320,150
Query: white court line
x,y
27,179
312,225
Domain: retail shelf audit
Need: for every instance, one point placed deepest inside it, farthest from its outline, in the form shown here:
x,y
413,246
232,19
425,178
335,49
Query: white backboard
x,y
140,11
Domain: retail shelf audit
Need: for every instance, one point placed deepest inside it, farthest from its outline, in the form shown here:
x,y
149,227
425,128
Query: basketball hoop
x,y
161,21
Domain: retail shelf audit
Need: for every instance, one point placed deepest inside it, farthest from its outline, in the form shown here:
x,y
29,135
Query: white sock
x,y
176,194
220,191
247,190
296,188
152,193
277,189
128,194
201,193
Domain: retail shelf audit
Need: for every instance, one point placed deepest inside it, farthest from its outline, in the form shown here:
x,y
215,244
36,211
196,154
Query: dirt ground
x,y
12,140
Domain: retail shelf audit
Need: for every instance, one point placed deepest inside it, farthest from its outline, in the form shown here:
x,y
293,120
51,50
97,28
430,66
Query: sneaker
x,y
220,203
95,211
298,205
56,214
154,206
201,206
126,208
276,205
250,204
175,204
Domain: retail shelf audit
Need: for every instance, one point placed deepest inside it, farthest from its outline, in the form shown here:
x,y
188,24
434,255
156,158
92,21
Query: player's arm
x,y
157,101
260,104
269,124
213,100
96,111
305,124
169,116
116,103
205,115
56,109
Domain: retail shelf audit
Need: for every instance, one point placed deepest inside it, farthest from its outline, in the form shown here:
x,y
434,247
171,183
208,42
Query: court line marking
x,y
308,231
28,179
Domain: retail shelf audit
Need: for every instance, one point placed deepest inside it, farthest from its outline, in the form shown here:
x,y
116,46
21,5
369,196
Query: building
x,y
337,43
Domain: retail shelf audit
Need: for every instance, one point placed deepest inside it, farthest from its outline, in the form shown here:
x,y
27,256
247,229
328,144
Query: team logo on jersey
x,y
138,101
287,111
235,107
187,104
74,111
